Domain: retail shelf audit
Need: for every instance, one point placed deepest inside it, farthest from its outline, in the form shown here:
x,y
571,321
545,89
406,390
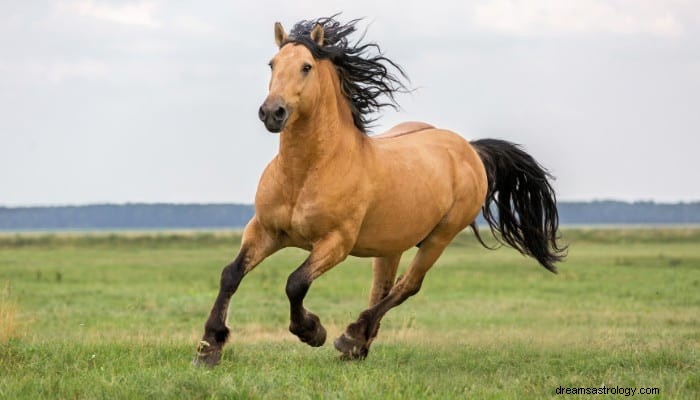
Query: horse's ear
x,y
317,35
280,34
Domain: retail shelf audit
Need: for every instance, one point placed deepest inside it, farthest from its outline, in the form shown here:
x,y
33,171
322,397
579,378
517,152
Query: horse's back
x,y
404,128
416,140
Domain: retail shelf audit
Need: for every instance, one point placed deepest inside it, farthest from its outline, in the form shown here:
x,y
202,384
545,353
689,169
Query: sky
x,y
156,101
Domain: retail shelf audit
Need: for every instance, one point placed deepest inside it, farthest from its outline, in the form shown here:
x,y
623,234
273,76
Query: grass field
x,y
119,315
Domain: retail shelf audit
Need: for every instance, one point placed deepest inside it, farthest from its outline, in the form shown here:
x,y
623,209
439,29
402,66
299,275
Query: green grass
x,y
119,315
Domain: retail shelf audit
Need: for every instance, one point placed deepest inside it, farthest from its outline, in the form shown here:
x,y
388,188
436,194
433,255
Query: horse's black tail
x,y
526,205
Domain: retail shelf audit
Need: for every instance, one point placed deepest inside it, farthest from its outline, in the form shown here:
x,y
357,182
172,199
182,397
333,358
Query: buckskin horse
x,y
335,191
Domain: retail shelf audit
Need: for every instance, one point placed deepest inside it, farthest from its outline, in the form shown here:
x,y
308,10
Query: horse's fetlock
x,y
216,333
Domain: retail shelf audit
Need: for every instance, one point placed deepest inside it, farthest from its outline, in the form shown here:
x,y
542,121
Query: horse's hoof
x,y
310,331
351,348
207,355
318,338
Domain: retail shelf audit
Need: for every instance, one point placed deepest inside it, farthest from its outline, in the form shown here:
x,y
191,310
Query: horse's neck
x,y
327,135
315,145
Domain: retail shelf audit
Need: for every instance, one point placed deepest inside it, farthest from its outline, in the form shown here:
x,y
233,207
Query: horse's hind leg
x,y
383,276
256,245
325,255
355,341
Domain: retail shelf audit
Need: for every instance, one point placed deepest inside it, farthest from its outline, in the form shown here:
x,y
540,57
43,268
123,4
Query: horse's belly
x,y
382,247
396,228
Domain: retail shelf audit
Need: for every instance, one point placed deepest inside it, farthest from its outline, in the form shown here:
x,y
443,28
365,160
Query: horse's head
x,y
294,84
318,69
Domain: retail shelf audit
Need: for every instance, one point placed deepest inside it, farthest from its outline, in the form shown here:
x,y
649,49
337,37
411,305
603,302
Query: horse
x,y
336,191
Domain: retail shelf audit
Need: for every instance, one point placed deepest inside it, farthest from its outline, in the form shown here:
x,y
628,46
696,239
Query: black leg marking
x,y
215,330
305,325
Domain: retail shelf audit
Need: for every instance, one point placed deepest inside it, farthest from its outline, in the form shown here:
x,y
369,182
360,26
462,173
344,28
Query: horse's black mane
x,y
363,70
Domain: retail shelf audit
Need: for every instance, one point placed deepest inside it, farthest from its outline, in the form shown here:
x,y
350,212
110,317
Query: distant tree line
x,y
201,216
617,212
127,216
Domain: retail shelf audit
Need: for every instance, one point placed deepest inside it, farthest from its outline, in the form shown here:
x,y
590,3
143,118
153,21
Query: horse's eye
x,y
306,68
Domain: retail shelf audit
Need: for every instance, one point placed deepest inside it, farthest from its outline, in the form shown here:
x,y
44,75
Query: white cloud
x,y
535,17
135,13
52,72
62,71
195,26
81,69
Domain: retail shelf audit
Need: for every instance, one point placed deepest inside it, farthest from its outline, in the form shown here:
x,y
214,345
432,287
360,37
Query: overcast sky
x,y
156,101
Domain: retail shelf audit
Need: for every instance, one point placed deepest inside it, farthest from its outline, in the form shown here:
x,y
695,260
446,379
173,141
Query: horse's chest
x,y
302,220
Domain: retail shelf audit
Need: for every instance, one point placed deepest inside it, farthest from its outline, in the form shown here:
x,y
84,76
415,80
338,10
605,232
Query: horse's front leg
x,y
325,254
256,245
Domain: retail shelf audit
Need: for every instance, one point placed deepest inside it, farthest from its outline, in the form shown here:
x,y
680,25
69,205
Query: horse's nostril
x,y
280,113
261,114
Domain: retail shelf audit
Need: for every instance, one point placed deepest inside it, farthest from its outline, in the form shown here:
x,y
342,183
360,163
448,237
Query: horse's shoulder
x,y
404,128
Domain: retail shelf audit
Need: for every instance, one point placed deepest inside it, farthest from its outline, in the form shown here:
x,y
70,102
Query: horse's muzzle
x,y
273,114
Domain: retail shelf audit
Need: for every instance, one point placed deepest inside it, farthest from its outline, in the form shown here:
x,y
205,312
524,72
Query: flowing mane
x,y
365,74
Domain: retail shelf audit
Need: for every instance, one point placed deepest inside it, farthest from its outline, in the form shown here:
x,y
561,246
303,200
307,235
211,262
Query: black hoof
x,y
207,355
310,331
317,339
351,348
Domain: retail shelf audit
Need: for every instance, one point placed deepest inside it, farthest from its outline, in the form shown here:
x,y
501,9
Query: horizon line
x,y
161,203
